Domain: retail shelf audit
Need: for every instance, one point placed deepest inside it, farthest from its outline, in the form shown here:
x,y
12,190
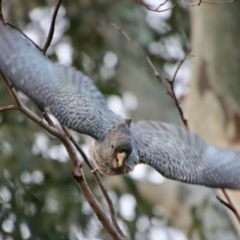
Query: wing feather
x,y
69,94
182,155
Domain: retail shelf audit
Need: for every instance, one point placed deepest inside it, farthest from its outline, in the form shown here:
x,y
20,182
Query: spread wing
x,y
181,155
67,93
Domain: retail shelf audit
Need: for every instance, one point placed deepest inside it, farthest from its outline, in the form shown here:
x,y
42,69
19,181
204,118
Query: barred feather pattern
x,y
67,93
182,155
76,102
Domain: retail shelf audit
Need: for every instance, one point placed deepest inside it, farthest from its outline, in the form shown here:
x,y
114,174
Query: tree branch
x,y
97,179
29,39
113,229
52,27
9,107
157,9
77,172
174,97
229,204
95,173
172,94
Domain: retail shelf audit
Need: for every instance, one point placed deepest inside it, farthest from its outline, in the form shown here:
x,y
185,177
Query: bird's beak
x,y
121,157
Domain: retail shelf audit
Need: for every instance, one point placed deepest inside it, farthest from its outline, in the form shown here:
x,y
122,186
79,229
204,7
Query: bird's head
x,y
115,153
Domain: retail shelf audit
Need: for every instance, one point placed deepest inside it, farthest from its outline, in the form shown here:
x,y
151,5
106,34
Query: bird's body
x,y
118,144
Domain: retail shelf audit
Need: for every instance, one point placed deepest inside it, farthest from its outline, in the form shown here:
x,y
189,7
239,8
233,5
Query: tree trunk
x,y
213,104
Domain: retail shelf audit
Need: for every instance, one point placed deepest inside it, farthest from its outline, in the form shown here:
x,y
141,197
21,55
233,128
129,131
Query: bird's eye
x,y
112,146
127,151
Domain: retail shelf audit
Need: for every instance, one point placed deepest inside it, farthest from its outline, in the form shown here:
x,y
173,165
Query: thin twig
x,y
98,180
28,38
171,83
95,173
2,20
230,205
11,90
157,9
52,27
219,3
78,174
205,2
157,75
225,204
161,4
149,61
77,147
179,65
9,107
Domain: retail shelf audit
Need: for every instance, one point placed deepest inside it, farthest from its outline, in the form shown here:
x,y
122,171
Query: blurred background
x,y
38,196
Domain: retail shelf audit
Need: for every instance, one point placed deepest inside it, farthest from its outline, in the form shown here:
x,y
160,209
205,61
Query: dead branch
x,y
95,173
113,229
52,27
77,172
9,107
98,179
229,204
174,97
158,8
206,2
172,94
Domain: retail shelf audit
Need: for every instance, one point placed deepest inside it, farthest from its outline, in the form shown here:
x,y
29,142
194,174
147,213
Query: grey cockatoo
x,y
118,145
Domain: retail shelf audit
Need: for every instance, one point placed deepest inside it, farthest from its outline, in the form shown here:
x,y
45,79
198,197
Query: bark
x,y
213,104
179,201
189,208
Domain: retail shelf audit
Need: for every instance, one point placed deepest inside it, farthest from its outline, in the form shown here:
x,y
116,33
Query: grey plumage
x,y
118,145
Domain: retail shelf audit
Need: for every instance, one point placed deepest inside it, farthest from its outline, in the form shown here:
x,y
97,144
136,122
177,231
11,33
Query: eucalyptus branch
x,y
158,8
29,39
95,173
77,172
149,61
206,2
229,204
97,179
2,20
174,97
9,107
172,94
52,27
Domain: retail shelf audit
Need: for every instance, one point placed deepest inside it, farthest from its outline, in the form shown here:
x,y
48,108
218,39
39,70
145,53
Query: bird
x,y
118,144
